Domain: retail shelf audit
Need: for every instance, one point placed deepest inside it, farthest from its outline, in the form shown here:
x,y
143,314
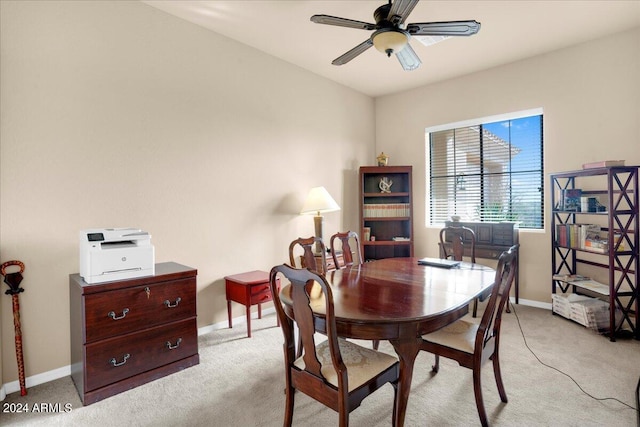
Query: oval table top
x,y
398,290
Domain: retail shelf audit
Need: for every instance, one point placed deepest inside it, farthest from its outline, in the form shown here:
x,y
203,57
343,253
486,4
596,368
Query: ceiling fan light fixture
x,y
389,40
393,33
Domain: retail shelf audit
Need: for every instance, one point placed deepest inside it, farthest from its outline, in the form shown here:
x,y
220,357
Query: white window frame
x,y
469,123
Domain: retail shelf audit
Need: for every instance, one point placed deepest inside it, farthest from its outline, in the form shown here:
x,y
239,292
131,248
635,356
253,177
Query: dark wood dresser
x,y
129,332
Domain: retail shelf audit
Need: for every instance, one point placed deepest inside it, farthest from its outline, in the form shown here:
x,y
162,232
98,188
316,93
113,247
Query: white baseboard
x,y
531,303
65,371
236,320
35,380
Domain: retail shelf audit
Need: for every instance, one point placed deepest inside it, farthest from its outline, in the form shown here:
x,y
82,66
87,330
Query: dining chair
x,y
337,373
308,259
347,255
471,343
345,246
456,251
457,236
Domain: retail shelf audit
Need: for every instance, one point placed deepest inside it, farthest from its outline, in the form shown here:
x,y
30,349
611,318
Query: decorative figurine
x,y
13,280
382,159
385,185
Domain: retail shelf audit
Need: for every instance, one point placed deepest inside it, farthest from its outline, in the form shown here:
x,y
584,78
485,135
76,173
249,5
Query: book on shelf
x,y
589,204
386,210
568,235
591,285
595,242
588,231
561,235
366,233
569,277
598,241
571,199
583,282
583,236
603,164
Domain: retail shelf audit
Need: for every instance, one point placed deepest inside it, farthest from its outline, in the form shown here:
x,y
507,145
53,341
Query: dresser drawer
x,y
503,234
111,313
489,253
260,294
107,361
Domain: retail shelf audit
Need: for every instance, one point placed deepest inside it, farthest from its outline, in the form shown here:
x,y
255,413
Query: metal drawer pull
x,y
169,305
114,363
112,314
173,347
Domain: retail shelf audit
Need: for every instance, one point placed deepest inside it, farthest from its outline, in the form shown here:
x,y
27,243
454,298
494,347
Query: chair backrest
x,y
347,251
308,255
307,288
457,236
489,330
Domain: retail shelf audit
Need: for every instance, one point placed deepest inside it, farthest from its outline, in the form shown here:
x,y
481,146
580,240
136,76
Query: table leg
x,y
515,283
259,311
249,321
407,350
229,313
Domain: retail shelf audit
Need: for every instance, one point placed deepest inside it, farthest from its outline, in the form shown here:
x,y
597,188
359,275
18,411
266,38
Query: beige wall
x,y
115,114
590,94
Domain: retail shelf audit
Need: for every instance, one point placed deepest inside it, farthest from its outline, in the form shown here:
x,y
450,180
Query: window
x,y
488,170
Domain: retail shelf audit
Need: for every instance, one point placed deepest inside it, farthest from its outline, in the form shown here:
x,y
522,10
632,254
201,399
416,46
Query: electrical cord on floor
x,y
513,308
638,401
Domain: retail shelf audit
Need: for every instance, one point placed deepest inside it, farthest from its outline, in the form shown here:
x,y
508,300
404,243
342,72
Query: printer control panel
x,y
95,237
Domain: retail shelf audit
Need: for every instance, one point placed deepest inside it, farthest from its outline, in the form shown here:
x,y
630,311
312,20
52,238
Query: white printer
x,y
108,254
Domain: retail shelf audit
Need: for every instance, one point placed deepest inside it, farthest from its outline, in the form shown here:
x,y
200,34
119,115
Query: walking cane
x,y
13,280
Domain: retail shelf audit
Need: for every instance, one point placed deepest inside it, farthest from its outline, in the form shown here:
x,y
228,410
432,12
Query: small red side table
x,y
249,288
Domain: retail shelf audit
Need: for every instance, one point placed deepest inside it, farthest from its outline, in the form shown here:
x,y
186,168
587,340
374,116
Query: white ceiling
x,y
511,30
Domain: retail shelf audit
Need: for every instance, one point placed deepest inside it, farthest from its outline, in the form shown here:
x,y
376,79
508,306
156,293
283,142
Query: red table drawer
x,y
259,289
263,295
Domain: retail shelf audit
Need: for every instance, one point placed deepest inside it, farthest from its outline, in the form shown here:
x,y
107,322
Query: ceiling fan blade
x,y
400,10
452,28
343,59
408,58
342,22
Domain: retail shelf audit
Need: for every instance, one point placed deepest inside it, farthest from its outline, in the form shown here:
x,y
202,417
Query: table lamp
x,y
318,201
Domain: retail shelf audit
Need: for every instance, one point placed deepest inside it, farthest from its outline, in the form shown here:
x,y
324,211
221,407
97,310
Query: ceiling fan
x,y
392,35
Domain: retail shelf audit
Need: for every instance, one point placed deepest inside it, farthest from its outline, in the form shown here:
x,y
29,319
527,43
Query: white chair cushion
x,y
460,335
362,363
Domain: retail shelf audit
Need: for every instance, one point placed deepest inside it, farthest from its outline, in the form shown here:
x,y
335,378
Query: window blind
x,y
488,172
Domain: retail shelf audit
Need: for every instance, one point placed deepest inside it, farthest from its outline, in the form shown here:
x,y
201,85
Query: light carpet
x,y
240,382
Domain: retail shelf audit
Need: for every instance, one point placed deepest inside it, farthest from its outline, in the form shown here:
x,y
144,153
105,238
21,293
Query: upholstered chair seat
x,y
362,363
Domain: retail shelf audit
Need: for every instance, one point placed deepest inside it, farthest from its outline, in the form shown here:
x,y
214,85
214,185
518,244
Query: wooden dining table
x,y
398,300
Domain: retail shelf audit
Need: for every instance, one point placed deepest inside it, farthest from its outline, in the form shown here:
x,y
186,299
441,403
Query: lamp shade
x,y
318,201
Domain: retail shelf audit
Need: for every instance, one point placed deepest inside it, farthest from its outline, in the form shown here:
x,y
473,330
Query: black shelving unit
x,y
618,216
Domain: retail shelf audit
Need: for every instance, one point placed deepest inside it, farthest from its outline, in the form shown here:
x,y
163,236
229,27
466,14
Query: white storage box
x,y
590,312
562,303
